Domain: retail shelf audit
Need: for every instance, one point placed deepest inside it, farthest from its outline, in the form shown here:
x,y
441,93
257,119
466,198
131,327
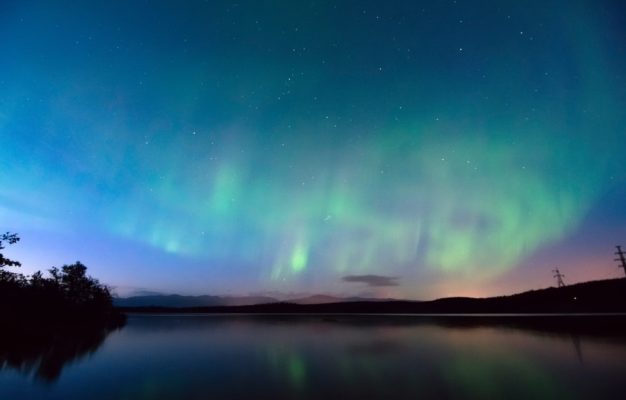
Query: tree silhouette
x,y
80,289
10,238
67,293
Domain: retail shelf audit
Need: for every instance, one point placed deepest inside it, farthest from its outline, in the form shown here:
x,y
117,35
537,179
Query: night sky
x,y
442,147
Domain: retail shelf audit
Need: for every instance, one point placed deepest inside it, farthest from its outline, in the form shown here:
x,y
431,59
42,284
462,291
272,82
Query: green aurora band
x,y
464,172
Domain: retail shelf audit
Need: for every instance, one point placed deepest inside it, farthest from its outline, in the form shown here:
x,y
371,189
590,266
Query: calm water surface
x,y
228,357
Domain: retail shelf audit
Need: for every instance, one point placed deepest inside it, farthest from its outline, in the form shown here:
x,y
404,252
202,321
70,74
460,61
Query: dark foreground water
x,y
316,357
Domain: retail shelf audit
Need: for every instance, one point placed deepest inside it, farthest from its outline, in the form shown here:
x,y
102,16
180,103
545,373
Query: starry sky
x,y
385,148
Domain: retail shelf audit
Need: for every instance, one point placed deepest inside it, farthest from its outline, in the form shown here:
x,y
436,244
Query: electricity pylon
x,y
621,259
559,277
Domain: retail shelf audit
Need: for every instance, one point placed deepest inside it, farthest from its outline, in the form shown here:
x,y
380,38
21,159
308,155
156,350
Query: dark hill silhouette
x,y
325,299
175,300
317,299
178,301
605,296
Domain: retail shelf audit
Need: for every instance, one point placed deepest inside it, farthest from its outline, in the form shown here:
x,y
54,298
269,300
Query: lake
x,y
318,357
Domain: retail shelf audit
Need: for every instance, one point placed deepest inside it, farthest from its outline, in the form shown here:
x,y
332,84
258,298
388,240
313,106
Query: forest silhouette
x,y
66,293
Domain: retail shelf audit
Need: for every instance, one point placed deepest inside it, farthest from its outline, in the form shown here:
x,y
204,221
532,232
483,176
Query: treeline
x,y
67,290
65,293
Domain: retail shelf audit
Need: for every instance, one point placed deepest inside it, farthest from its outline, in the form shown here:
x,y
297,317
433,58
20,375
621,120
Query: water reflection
x,y
42,352
159,357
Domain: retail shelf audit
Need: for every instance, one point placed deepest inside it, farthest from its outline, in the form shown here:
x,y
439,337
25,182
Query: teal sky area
x,y
459,147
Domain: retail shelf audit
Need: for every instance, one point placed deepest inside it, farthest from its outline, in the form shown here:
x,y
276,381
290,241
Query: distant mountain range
x,y
606,296
178,301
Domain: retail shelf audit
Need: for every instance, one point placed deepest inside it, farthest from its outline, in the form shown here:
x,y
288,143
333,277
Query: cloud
x,y
372,280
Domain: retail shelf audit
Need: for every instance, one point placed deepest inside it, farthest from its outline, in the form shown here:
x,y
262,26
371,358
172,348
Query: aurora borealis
x,y
460,147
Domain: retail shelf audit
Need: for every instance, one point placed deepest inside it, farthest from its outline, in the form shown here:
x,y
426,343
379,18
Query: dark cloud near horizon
x,y
372,280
